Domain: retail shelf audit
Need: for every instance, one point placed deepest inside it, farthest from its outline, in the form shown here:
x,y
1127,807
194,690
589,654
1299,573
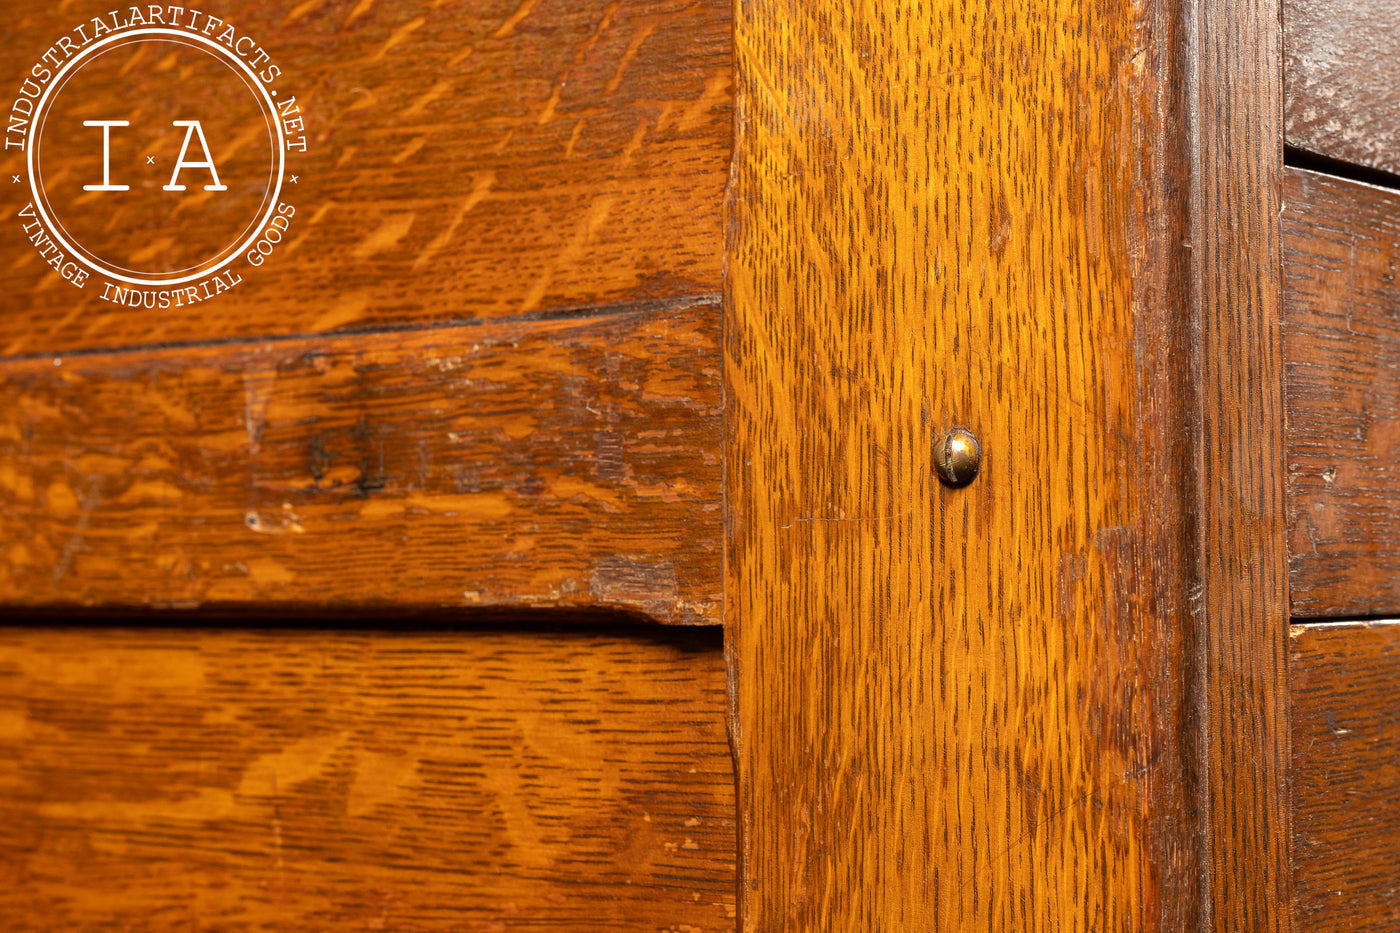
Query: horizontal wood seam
x,y
584,312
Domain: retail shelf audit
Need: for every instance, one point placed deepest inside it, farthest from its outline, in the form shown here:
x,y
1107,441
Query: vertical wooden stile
x,y
1236,149
1002,706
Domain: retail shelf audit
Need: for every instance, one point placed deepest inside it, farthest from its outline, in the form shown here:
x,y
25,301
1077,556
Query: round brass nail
x,y
957,457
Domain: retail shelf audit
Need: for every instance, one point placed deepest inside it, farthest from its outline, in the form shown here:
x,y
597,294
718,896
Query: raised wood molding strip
x,y
1238,466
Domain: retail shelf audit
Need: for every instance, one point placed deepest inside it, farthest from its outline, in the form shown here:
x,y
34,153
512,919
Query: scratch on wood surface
x,y
88,503
573,138
257,389
274,523
629,580
415,145
853,518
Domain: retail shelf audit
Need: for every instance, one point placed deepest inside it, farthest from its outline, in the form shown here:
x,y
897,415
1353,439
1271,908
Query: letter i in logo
x,y
107,155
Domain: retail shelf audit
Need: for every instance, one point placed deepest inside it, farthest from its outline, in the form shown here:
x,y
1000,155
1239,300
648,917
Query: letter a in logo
x,y
191,128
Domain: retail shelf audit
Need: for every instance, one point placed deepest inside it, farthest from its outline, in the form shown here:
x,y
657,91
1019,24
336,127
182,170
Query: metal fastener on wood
x,y
957,456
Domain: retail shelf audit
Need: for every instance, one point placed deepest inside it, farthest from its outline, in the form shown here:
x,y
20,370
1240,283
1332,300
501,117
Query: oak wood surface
x,y
164,779
1342,346
1346,776
560,462
1339,67
466,159
1235,466
1026,704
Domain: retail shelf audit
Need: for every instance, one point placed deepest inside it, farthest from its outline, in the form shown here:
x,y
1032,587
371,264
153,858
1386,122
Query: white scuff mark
x,y
257,390
75,540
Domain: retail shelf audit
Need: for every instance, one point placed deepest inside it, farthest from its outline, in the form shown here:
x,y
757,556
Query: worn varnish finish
x,y
1342,344
1236,467
992,708
570,461
1346,777
1339,67
466,158
335,780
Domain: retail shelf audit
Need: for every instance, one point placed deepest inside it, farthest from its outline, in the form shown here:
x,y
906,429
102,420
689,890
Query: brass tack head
x,y
957,457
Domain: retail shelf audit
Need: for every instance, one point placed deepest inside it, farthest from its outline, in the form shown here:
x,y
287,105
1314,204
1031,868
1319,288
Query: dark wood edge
x,y
1235,107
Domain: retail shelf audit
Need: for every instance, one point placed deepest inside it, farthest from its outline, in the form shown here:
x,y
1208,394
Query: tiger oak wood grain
x,y
1051,700
1342,345
333,780
1339,68
466,159
1346,776
564,462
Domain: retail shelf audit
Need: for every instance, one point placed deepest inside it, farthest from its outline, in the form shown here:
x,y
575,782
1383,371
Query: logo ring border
x,y
281,158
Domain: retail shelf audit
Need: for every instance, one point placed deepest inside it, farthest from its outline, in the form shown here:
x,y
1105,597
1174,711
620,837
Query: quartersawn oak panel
x,y
1342,347
1052,700
1342,99
336,780
466,158
571,462
1346,776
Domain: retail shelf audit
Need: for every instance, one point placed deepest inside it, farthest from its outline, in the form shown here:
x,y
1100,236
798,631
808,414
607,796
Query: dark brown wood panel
x,y
1346,777
1234,475
1343,100
168,780
565,462
466,158
1342,346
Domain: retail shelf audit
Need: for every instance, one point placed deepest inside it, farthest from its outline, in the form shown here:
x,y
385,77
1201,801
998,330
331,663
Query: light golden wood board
x,y
334,780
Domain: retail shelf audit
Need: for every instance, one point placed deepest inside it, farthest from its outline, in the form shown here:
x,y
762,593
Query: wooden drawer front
x,y
562,462
1342,354
1341,82
170,780
1346,776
